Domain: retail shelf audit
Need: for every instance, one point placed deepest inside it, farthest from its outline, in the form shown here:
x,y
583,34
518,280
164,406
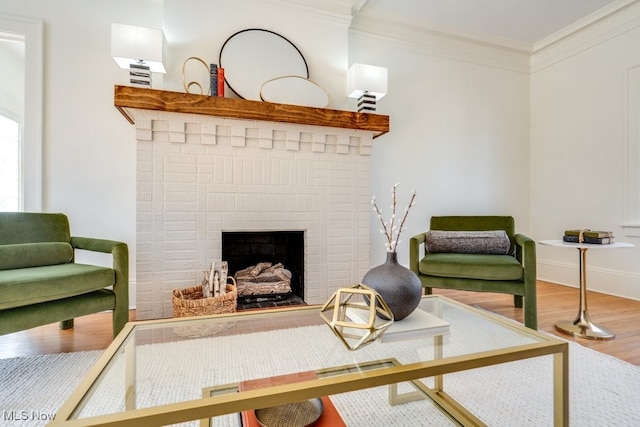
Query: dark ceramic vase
x,y
399,287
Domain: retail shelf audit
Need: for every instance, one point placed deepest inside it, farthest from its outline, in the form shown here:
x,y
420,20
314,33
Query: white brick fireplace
x,y
200,175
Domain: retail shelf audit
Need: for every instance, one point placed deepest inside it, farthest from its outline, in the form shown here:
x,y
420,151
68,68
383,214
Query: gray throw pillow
x,y
491,242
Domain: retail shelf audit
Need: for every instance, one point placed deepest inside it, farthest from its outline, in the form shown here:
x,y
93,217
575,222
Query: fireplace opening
x,y
284,250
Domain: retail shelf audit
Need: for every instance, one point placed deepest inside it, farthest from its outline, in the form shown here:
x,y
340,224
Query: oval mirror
x,y
254,56
294,90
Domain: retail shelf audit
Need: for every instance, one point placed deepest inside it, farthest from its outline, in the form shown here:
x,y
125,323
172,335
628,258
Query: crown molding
x,y
484,49
621,17
583,23
371,18
338,11
442,42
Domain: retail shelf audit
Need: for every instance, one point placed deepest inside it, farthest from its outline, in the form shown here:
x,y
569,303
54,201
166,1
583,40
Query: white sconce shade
x,y
368,79
137,45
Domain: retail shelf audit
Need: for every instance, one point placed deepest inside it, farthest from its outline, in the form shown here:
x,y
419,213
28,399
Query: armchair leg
x,y
531,310
517,301
66,324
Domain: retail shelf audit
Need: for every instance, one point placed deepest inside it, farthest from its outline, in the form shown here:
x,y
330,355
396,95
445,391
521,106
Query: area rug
x,y
604,390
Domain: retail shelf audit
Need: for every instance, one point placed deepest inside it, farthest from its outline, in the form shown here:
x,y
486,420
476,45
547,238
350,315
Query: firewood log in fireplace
x,y
263,279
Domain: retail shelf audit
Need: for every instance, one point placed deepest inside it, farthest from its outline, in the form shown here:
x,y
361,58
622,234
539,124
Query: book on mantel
x,y
419,324
213,82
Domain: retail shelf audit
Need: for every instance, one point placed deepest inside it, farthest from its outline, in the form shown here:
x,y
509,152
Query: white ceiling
x,y
521,21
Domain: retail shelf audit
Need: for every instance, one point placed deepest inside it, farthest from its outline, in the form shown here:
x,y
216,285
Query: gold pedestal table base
x,y
582,326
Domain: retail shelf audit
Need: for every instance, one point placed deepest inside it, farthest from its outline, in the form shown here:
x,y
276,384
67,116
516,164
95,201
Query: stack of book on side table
x,y
588,236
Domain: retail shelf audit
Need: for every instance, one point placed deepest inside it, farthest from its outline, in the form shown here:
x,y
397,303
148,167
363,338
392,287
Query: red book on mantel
x,y
220,82
329,418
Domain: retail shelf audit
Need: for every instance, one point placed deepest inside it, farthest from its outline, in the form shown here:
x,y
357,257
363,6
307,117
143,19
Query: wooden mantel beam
x,y
162,100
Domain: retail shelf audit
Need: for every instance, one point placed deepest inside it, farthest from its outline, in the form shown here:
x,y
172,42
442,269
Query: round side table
x,y
582,326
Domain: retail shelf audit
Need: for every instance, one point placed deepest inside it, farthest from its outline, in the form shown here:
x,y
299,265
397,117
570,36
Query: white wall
x,y
578,151
459,130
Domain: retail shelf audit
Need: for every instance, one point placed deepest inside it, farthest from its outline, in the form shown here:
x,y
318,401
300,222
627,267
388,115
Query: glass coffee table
x,y
216,370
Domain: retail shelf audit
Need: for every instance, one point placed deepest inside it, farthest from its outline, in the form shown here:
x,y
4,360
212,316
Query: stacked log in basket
x,y
214,296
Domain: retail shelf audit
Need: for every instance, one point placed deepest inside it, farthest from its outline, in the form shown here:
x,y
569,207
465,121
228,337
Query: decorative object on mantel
x,y
139,50
211,79
399,286
255,56
294,90
358,315
367,83
188,86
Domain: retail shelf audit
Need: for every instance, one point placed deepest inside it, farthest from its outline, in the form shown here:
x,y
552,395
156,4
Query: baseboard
x,y
603,280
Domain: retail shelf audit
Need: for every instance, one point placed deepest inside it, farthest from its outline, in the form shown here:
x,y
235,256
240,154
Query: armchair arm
x,y
526,254
118,250
120,254
95,245
526,251
414,251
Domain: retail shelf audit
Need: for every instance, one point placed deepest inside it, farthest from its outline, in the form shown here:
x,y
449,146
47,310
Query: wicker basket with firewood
x,y
191,301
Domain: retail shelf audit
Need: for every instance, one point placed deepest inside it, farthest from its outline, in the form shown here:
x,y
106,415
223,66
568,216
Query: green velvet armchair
x,y
41,283
513,272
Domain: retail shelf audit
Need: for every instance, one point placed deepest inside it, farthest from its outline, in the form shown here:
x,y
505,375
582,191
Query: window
x,y
22,61
10,170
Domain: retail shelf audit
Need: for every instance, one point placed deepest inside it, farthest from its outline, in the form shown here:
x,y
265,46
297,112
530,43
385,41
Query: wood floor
x,y
555,302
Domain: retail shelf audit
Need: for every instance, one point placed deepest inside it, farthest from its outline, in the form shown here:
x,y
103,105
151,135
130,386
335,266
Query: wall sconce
x,y
368,83
139,50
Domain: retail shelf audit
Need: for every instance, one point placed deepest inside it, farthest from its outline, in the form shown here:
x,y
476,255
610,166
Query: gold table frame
x,y
222,403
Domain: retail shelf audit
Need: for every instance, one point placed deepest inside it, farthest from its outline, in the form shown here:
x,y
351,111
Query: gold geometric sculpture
x,y
351,313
